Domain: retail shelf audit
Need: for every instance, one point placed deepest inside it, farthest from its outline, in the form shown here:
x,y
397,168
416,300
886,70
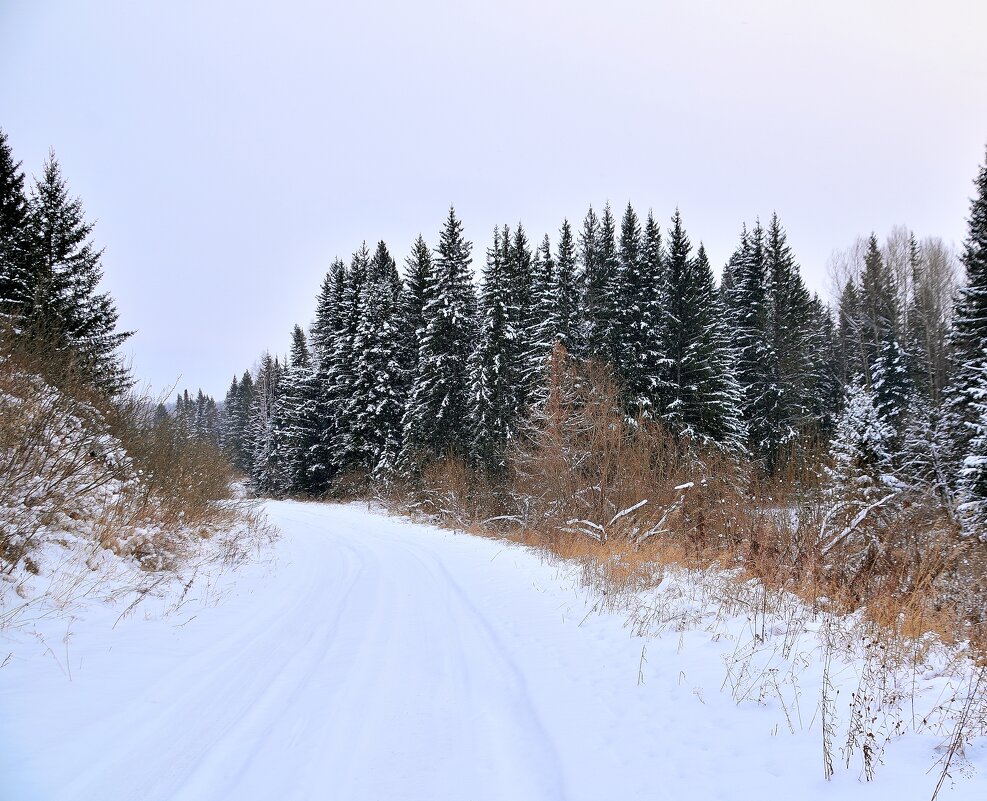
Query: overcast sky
x,y
230,150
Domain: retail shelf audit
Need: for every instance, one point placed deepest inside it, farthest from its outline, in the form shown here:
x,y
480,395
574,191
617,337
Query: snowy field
x,y
368,658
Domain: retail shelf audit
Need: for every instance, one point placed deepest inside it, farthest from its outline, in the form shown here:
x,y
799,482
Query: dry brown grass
x,y
75,461
626,500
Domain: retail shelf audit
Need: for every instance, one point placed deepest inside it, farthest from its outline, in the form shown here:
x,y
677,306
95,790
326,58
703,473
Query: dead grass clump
x,y
74,461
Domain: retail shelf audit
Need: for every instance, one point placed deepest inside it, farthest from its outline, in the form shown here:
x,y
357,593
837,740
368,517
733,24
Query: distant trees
x,y
50,273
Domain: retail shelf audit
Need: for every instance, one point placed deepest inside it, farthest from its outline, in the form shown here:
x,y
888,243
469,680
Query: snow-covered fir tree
x,y
236,413
591,282
417,282
15,248
642,325
436,420
704,399
345,446
566,309
603,314
878,306
327,329
376,397
264,465
61,304
859,478
494,366
967,392
544,322
295,428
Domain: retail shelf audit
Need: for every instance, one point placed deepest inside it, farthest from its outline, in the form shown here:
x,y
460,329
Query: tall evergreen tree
x,y
436,420
544,322
327,331
749,313
264,465
640,319
851,353
376,400
592,282
295,427
345,447
703,400
796,375
603,313
494,367
14,240
63,306
567,310
418,279
878,303
859,477
519,266
967,393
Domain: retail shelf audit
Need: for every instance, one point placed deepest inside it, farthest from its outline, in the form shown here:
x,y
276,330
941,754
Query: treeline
x,y
195,417
397,371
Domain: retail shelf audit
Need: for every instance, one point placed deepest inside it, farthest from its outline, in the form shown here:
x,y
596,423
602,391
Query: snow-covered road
x,y
374,659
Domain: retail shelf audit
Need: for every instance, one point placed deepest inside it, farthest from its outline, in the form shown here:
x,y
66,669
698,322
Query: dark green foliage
x,y
967,394
377,395
50,273
702,398
436,421
495,367
15,249
566,307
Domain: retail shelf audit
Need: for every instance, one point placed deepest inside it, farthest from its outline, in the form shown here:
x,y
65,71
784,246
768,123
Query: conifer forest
x,y
577,514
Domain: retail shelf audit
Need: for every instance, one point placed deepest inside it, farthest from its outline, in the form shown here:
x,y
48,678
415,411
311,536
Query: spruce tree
x,y
640,321
418,279
649,380
878,306
702,400
376,400
63,307
858,479
972,477
436,421
567,309
893,389
750,317
796,375
544,322
327,332
851,353
345,446
591,280
295,429
967,392
519,266
603,312
328,306
494,409
260,431
14,240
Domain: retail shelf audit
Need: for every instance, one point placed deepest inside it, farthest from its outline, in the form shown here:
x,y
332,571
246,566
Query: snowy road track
x,y
374,659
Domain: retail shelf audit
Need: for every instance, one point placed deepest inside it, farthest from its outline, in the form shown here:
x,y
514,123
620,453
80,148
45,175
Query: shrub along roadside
x,y
77,465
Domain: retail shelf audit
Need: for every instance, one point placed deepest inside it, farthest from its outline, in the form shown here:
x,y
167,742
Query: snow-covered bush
x,y
60,467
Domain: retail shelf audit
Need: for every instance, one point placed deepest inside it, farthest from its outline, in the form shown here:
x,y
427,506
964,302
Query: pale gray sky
x,y
229,150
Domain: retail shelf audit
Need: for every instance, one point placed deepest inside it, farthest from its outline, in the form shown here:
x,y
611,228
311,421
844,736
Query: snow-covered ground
x,y
369,658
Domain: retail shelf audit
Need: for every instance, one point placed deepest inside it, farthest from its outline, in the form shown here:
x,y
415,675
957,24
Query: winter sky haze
x,y
230,150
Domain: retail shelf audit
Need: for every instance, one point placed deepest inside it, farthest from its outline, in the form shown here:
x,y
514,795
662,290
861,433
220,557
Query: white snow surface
x,y
366,657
